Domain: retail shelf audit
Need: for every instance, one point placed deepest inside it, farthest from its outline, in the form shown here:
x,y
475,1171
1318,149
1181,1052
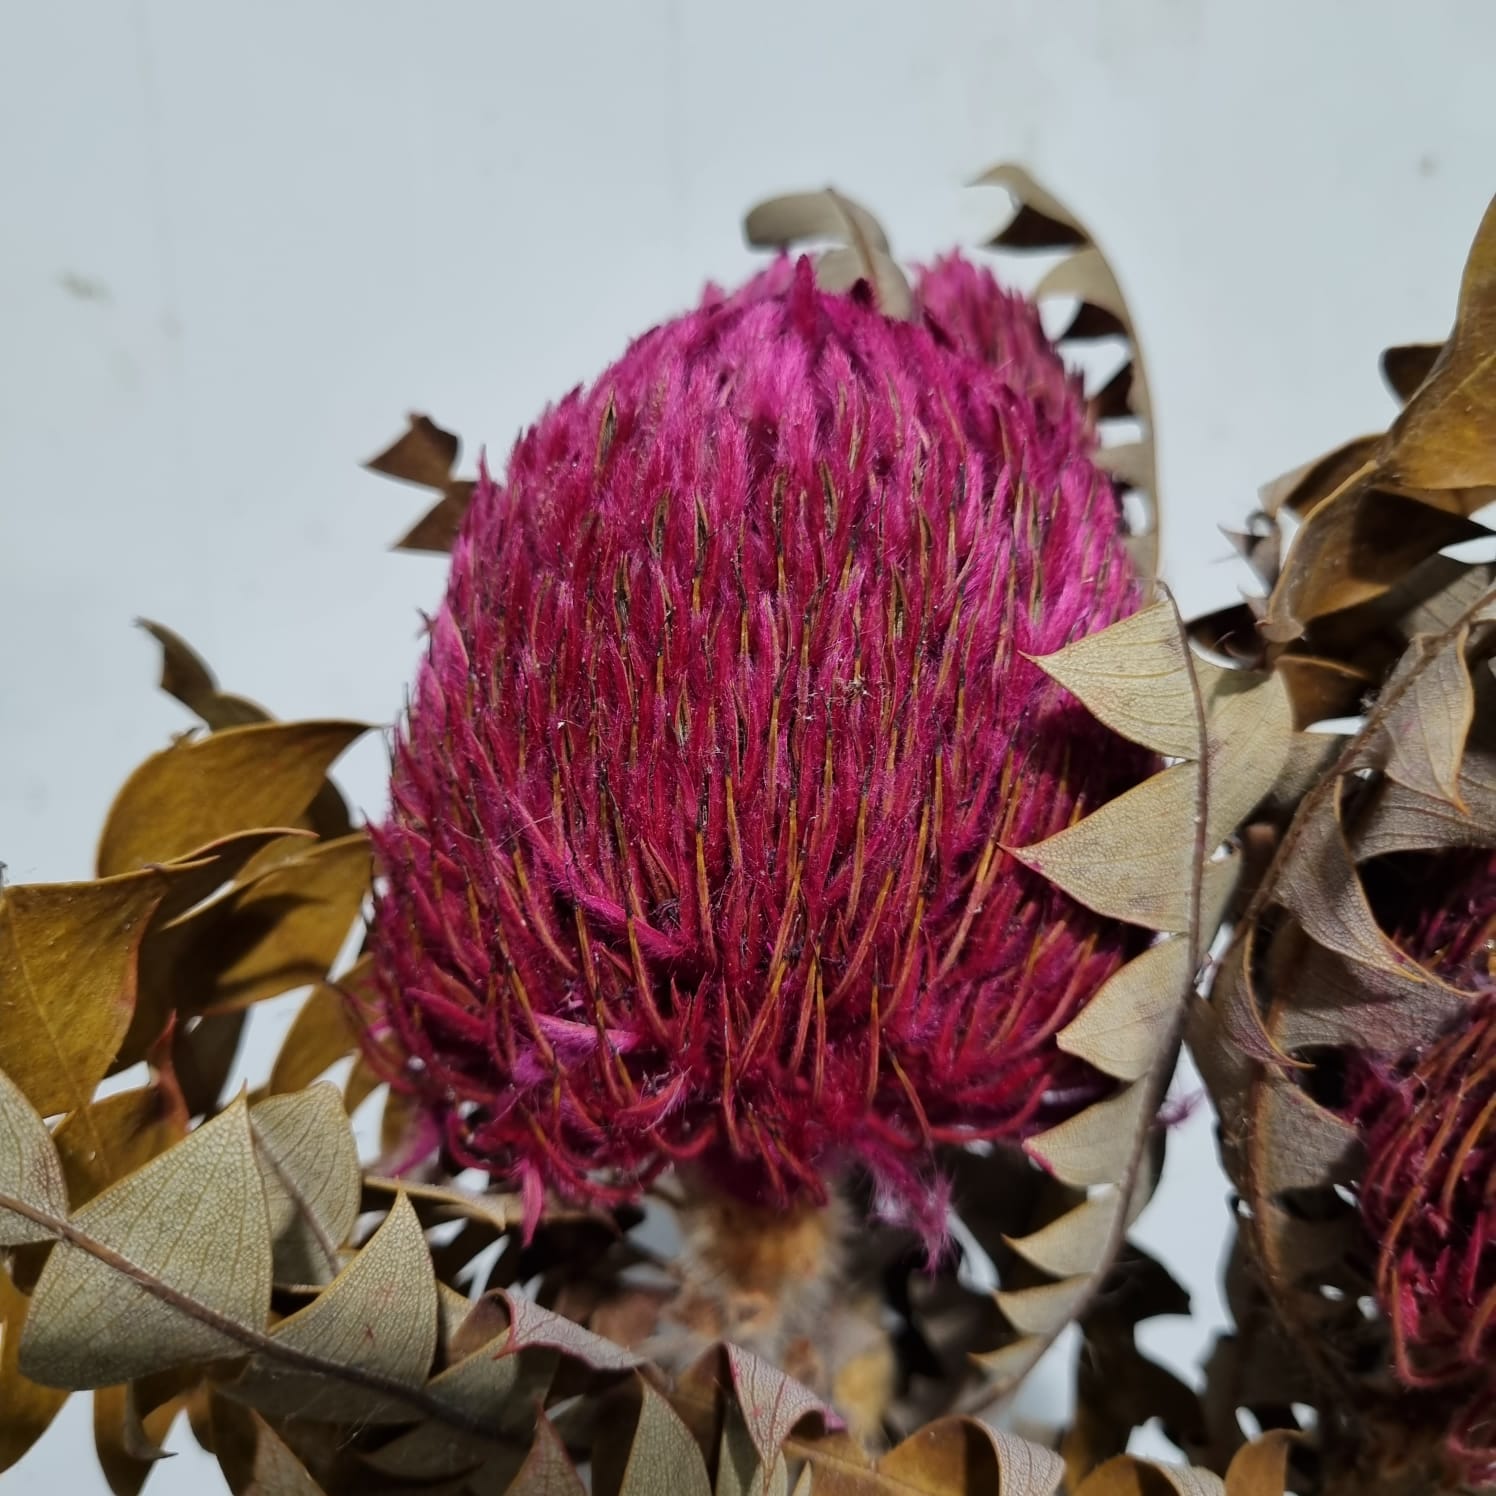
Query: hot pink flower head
x,y
700,817
1428,1195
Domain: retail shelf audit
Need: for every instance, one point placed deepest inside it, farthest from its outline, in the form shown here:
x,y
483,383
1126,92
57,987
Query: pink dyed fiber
x,y
697,842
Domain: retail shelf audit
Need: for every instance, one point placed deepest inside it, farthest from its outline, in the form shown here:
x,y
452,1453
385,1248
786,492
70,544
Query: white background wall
x,y
238,242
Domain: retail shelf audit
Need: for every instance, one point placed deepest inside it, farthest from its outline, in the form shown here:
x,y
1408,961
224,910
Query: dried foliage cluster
x,y
331,1325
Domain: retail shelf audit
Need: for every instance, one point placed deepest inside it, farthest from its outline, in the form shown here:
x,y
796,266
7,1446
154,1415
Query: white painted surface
x,y
239,242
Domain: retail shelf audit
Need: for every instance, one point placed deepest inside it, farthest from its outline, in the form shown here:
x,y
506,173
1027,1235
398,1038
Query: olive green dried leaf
x,y
26,1408
128,1447
170,1265
1124,1028
203,1054
255,1460
199,791
104,1141
68,965
30,1169
663,1456
548,1470
802,217
378,1318
283,930
1134,677
1094,1146
1260,1468
309,1166
321,1034
1442,438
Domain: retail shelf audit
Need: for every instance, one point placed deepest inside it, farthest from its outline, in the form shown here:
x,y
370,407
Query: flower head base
x,y
1428,1195
698,843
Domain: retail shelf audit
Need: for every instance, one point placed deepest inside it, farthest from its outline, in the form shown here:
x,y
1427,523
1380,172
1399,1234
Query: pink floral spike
x,y
696,848
1428,1194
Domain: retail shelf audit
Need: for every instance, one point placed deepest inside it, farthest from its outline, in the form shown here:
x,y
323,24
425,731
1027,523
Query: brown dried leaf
x,y
309,1167
1094,1146
255,1460
1442,438
1424,734
26,1408
961,1457
1295,1142
1353,547
196,792
377,1319
425,455
1306,486
1406,366
129,1446
192,1225
1126,1475
186,676
68,961
1397,819
1321,689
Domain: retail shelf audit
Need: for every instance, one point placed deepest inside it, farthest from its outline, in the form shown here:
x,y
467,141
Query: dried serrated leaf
x,y
1094,1146
68,963
1046,1310
254,1459
30,1171
532,1325
1398,819
1305,486
321,1034
663,1456
434,1203
160,1269
309,1167
1322,689
1124,1028
548,1470
1134,676
799,217
1076,1242
1130,859
376,1320
841,269
1442,439
264,774
186,676
26,1408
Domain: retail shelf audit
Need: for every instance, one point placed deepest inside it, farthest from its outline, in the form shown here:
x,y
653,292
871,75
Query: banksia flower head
x,y
1428,1193
697,849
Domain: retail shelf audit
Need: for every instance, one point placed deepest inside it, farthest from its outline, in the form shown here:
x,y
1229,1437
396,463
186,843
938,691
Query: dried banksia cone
x,y
698,854
1427,1194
